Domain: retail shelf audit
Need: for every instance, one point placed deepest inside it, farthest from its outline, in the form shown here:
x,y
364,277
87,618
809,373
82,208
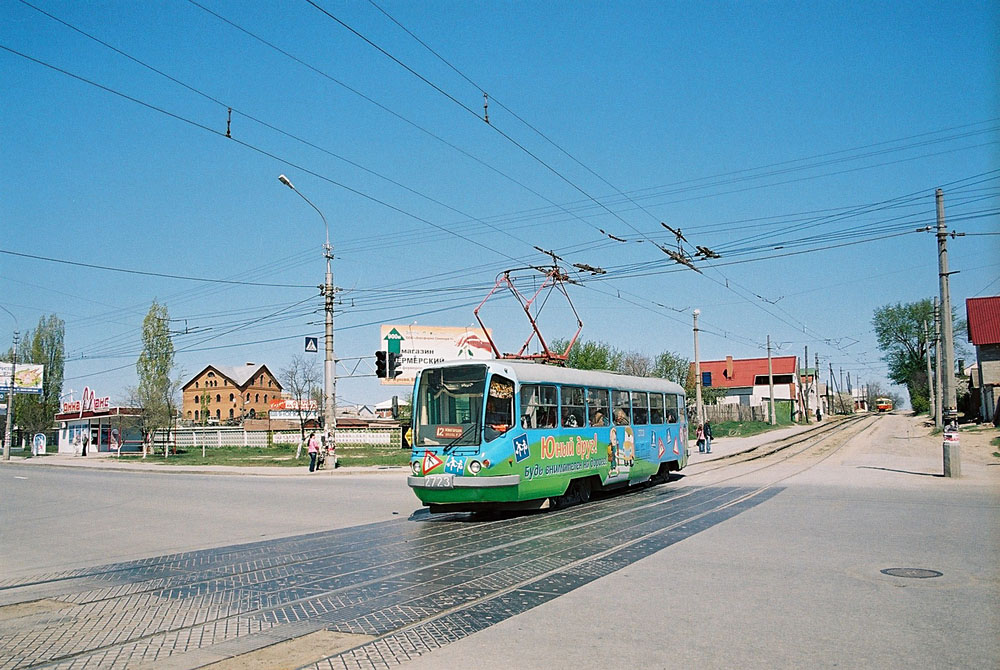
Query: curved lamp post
x,y
329,365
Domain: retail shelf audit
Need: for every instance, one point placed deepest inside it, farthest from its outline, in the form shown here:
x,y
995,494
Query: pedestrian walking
x,y
313,446
700,438
708,436
86,442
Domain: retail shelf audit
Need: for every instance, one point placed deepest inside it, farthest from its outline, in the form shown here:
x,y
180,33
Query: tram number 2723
x,y
439,481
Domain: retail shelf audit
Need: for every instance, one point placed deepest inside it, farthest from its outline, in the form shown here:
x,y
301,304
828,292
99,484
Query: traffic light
x,y
381,369
394,366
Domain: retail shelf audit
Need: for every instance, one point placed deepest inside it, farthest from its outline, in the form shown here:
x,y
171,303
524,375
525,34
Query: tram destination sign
x,y
420,346
28,377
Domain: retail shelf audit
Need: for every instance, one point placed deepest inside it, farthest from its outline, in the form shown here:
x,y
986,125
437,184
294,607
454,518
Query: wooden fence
x,y
735,412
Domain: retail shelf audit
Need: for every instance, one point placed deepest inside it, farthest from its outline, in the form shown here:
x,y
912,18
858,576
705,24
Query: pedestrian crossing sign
x,y
312,345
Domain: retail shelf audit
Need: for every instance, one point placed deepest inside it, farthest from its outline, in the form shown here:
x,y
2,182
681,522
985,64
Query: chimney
x,y
729,367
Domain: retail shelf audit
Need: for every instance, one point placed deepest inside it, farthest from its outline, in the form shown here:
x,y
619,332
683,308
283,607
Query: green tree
x,y
155,392
899,330
43,346
674,367
589,355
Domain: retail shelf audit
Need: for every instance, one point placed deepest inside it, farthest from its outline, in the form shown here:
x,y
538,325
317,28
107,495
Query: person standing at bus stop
x,y
708,436
313,446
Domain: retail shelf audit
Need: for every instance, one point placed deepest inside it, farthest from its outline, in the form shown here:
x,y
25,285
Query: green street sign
x,y
393,340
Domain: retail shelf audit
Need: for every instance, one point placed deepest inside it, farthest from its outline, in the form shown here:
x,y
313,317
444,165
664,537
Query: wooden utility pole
x,y
770,382
816,381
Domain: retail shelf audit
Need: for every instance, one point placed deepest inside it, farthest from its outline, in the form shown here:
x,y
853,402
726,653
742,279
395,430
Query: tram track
x,y
404,579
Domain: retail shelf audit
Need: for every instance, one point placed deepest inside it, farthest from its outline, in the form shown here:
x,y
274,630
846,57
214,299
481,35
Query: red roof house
x,y
747,372
983,316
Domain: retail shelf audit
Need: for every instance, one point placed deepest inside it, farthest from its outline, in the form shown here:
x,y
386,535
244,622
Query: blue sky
x,y
801,141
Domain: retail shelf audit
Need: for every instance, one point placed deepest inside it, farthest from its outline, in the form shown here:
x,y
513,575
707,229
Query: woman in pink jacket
x,y
313,451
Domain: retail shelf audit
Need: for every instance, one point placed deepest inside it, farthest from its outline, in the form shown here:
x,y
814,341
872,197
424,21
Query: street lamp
x,y
698,410
329,366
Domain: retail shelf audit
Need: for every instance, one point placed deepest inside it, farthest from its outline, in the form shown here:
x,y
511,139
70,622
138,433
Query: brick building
x,y
222,393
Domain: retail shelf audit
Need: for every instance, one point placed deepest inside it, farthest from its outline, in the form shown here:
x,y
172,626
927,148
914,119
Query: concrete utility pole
x,y
833,382
698,409
330,363
930,383
770,382
938,406
805,362
949,414
10,406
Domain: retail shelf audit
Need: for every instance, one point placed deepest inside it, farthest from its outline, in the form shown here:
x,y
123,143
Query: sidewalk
x,y
106,461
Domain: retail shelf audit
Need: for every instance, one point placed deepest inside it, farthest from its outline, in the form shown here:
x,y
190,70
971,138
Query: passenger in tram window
x,y
571,421
621,418
597,419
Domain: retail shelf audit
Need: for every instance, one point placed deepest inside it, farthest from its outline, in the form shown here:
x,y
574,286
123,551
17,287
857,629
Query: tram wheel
x,y
577,492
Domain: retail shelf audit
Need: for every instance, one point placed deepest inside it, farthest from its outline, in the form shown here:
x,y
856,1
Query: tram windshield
x,y
449,406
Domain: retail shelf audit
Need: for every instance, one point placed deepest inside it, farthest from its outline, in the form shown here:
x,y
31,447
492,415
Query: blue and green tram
x,y
522,435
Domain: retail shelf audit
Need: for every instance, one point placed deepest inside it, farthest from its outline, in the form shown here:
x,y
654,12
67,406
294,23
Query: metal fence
x,y
198,437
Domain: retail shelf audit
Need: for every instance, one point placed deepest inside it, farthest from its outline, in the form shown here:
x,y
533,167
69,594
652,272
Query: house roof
x,y
745,370
238,374
983,315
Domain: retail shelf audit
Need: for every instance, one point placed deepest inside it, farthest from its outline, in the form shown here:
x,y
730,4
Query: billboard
x,y
28,377
420,346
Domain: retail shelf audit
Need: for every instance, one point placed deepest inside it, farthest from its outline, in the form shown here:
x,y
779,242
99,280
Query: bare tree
x,y
300,379
634,363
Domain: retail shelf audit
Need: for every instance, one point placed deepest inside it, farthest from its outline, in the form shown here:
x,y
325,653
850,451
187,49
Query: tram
x,y
505,434
883,404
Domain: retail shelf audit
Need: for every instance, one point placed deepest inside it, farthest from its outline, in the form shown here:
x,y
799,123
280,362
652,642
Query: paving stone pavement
x,y
410,585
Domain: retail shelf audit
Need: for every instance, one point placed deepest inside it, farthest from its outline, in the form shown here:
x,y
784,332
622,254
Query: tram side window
x,y
538,406
597,407
572,407
640,407
499,408
656,408
622,409
670,407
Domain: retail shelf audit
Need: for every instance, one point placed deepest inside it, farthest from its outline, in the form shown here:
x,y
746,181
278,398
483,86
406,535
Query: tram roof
x,y
528,372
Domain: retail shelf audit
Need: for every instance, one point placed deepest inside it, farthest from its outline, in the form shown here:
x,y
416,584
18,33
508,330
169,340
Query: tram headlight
x,y
415,467
475,467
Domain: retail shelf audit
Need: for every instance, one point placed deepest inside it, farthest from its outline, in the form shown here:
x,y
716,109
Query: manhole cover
x,y
911,573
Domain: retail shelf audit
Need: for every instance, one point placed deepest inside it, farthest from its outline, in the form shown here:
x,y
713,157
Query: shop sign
x,y
89,403
293,405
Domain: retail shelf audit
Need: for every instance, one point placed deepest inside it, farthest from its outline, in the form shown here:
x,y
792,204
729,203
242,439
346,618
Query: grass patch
x,y
737,428
280,456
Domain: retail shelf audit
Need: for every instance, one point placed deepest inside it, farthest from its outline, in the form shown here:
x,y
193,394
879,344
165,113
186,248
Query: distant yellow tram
x,y
883,404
